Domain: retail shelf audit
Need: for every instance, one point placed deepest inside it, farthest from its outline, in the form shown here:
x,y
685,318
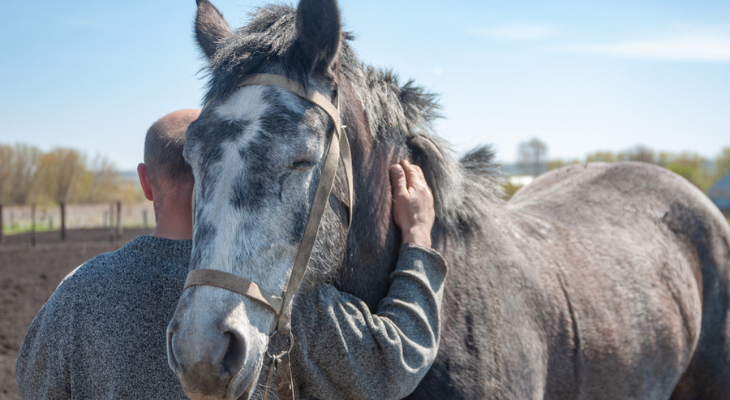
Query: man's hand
x,y
412,203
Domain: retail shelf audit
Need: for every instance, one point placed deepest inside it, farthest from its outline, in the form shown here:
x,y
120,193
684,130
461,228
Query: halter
x,y
282,306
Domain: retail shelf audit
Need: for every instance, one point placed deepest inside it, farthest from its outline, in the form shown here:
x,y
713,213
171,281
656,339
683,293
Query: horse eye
x,y
302,164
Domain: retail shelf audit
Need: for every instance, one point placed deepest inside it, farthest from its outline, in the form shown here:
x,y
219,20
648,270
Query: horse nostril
x,y
171,360
235,353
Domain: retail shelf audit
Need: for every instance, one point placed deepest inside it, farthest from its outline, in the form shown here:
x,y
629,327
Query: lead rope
x,y
281,363
282,306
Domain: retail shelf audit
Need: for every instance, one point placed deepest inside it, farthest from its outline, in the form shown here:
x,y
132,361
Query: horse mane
x,y
401,115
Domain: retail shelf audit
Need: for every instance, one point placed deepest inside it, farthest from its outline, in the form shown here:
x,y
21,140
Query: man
x,y
102,333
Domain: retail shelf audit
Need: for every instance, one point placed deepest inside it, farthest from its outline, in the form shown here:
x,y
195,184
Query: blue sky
x,y
582,76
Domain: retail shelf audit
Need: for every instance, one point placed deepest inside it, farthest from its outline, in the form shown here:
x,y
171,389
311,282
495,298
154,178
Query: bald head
x,y
163,148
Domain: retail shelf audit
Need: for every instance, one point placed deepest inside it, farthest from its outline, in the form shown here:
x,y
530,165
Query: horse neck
x,y
374,239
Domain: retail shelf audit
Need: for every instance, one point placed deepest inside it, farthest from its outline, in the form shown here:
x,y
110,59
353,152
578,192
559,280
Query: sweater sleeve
x,y
42,368
343,351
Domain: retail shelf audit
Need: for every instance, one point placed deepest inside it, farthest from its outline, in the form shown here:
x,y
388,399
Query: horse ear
x,y
210,27
319,34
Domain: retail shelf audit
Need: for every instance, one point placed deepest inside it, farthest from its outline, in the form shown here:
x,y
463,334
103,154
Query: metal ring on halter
x,y
289,337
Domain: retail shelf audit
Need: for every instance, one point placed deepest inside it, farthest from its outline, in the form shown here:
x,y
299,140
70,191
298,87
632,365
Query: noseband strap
x,y
233,283
282,306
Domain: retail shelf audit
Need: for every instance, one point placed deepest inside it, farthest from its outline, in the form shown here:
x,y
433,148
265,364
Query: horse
x,y
596,281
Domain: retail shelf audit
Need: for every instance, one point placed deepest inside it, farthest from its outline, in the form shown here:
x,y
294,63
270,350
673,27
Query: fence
x,y
17,219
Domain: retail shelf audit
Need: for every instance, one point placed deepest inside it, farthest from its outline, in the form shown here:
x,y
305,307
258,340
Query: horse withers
x,y
596,281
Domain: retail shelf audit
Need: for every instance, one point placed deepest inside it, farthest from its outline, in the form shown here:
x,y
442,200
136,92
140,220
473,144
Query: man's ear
x,y
144,180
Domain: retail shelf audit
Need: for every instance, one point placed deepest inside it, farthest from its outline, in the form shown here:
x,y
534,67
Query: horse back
x,y
646,260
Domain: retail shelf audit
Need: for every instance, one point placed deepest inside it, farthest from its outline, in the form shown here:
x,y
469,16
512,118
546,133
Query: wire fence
x,y
22,219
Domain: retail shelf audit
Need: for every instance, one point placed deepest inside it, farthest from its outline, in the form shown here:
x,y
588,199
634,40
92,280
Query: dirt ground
x,y
28,277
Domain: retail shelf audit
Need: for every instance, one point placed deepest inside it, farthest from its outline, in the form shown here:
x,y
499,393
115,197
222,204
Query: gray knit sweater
x,y
102,333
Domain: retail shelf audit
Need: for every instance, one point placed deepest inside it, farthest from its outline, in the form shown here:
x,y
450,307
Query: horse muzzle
x,y
214,360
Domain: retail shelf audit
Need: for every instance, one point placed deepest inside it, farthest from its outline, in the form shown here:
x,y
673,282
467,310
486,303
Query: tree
x,y
601,156
58,170
25,167
510,189
532,156
639,153
7,157
559,163
692,167
722,163
664,159
28,175
99,183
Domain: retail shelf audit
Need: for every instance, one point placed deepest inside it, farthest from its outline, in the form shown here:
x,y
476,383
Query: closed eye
x,y
302,165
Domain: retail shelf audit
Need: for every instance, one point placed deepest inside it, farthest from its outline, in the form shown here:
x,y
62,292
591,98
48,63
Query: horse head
x,y
257,153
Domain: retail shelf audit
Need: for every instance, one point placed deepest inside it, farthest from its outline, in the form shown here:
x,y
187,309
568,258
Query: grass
x,y
18,229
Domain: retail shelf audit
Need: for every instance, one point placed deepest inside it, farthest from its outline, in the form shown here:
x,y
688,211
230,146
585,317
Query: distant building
x,y
520,180
720,195
519,169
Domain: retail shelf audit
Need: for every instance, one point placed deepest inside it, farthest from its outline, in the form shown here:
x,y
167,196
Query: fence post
x,y
63,221
1,223
32,225
119,219
112,236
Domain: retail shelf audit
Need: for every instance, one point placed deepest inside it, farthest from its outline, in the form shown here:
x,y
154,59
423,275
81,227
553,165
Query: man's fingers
x,y
414,174
418,174
398,180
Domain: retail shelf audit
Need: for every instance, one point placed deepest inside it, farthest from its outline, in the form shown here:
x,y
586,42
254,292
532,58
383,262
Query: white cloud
x,y
516,32
437,70
680,48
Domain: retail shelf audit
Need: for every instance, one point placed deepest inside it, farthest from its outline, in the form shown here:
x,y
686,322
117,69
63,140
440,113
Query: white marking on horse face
x,y
245,103
248,103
